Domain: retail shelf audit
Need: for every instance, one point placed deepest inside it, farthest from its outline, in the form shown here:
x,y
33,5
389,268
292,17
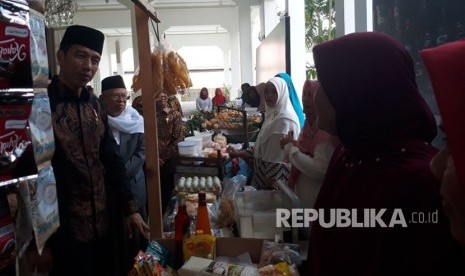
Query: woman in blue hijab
x,y
293,97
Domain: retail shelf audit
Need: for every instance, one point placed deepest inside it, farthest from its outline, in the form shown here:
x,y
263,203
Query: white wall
x,y
218,58
228,18
104,20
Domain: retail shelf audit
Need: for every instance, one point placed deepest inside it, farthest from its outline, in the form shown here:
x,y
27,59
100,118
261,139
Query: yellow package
x,y
202,246
284,268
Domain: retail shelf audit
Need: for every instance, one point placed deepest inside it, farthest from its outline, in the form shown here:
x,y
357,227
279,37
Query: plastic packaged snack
x,y
40,127
41,197
15,60
274,253
7,235
39,59
202,246
158,252
15,108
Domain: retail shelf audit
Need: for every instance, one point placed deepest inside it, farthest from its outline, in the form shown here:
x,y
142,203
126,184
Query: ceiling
x,y
115,4
93,5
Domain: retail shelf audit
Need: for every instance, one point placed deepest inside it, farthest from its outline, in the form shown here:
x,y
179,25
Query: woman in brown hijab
x,y
371,101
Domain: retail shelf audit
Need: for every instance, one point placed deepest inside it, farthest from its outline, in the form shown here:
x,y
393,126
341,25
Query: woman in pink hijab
x,y
311,153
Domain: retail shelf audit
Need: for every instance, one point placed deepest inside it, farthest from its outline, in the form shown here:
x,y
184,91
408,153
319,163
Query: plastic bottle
x,y
202,225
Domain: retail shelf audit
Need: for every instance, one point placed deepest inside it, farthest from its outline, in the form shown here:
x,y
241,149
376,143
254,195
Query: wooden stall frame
x,y
143,12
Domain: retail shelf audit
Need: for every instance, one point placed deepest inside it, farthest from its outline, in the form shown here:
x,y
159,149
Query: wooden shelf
x,y
186,165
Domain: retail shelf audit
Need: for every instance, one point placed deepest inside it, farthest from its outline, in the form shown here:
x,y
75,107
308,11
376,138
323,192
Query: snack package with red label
x,y
7,228
16,156
15,57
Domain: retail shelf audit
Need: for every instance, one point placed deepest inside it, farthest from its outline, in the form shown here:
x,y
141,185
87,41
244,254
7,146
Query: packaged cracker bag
x,y
202,246
15,58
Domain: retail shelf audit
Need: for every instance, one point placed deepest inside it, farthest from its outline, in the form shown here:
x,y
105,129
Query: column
x,y
363,15
296,12
245,31
235,66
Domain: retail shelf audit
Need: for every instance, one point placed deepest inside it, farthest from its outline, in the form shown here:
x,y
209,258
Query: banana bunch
x,y
169,73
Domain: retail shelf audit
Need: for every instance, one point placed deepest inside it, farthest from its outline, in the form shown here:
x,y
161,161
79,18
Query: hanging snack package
x,y
23,221
37,5
7,233
16,158
39,59
15,61
170,72
43,204
40,127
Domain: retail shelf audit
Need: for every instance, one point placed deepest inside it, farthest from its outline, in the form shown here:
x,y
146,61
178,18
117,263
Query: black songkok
x,y
112,83
85,36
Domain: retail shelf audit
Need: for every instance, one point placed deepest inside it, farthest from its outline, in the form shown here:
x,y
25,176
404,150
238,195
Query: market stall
x,y
200,170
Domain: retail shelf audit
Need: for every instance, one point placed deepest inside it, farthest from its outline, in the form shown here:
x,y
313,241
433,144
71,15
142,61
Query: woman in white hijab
x,y
280,118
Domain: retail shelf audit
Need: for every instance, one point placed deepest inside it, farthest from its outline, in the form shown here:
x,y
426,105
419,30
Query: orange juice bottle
x,y
202,225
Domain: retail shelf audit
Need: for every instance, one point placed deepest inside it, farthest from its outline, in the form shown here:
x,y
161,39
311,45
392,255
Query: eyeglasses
x,y
123,97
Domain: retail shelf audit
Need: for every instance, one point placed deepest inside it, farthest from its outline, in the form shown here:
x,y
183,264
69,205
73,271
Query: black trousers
x,y
93,258
167,172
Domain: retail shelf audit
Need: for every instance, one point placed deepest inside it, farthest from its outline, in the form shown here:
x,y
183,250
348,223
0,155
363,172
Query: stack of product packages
x,y
27,180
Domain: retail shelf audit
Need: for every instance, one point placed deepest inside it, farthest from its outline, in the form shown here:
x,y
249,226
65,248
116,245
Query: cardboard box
x,y
230,247
205,267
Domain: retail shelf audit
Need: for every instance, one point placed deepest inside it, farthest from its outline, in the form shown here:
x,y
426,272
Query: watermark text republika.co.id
x,y
357,218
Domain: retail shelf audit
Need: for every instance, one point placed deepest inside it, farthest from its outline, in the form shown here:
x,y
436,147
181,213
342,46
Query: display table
x,y
192,166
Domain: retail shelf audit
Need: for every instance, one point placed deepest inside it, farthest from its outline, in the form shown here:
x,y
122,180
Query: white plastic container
x,y
256,213
187,148
251,109
197,140
206,137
